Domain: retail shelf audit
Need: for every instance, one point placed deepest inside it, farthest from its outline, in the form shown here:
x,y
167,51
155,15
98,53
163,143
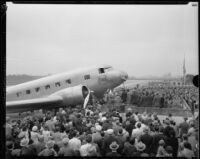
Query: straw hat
x,y
24,142
161,142
21,135
34,128
114,146
65,141
110,131
103,119
140,146
98,128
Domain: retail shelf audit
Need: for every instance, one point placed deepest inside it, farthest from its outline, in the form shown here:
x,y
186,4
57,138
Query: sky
x,y
139,39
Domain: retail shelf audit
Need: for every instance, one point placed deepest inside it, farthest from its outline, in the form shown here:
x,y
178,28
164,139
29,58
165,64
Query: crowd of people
x,y
94,132
162,96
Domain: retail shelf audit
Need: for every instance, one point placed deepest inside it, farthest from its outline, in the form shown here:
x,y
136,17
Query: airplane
x,y
65,89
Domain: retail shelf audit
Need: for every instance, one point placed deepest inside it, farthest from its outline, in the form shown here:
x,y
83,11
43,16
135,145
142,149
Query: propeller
x,y
87,99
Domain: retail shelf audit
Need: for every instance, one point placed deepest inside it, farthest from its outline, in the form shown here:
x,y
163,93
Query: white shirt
x,y
34,136
137,132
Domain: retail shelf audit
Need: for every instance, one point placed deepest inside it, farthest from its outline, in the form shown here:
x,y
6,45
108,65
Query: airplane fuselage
x,y
97,79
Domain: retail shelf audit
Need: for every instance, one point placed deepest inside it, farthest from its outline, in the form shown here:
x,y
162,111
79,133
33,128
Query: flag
x,y
86,100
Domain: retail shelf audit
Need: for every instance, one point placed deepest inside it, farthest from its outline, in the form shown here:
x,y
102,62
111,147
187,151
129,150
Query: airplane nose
x,y
124,75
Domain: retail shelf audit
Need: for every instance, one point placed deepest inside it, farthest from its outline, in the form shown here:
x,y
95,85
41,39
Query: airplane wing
x,y
65,97
33,104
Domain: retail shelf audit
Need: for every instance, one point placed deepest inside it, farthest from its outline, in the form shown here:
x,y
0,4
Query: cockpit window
x,y
108,69
101,70
87,77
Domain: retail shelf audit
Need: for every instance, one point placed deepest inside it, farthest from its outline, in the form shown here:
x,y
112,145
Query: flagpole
x,y
184,71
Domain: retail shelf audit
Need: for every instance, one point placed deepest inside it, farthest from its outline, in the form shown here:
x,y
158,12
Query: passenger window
x,y
87,77
57,84
28,91
101,70
47,86
37,89
18,94
68,81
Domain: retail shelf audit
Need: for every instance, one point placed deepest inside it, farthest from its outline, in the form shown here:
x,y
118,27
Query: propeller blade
x,y
86,100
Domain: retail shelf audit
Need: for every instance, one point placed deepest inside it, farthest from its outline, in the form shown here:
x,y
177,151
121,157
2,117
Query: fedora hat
x,y
24,142
34,128
161,142
98,128
65,141
110,131
114,146
140,146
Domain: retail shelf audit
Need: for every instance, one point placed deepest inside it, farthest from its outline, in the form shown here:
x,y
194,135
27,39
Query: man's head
x,y
185,118
132,141
89,138
65,141
187,145
138,125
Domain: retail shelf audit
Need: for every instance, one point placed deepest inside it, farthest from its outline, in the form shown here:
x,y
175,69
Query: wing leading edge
x,y
33,104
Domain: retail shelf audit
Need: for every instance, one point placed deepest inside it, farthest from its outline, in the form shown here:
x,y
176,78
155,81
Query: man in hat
x,y
161,152
108,139
65,150
168,128
9,148
157,136
83,148
34,134
187,151
23,133
183,127
113,147
50,123
121,140
140,147
25,150
147,139
92,151
137,132
129,148
40,145
49,150
8,128
96,137
74,142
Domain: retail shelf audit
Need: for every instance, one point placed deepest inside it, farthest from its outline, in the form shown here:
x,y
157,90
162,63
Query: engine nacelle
x,y
73,95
